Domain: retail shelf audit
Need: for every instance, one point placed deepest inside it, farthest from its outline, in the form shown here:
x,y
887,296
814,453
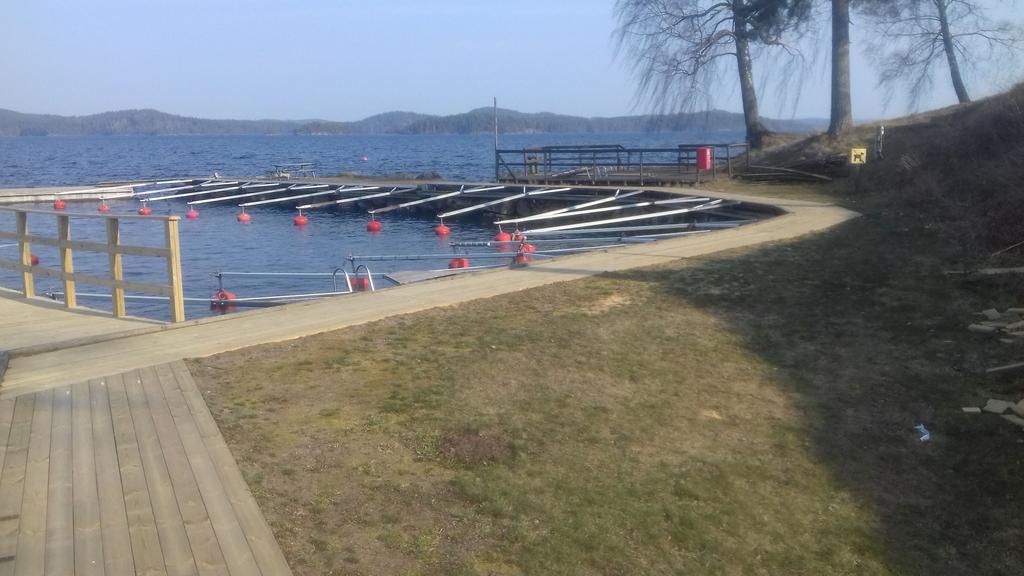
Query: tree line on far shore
x,y
153,122
683,48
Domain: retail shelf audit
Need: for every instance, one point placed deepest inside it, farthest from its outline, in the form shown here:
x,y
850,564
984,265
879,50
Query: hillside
x,y
481,120
133,122
958,170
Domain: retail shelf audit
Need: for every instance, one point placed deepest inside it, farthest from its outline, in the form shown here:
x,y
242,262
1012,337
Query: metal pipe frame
x,y
395,190
433,198
604,209
648,216
236,196
523,194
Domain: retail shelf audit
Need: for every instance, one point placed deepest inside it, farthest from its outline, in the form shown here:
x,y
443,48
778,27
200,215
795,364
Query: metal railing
x,y
66,246
598,163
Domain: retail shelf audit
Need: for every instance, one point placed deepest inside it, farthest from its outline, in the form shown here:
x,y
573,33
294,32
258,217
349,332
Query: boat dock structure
x,y
110,460
618,165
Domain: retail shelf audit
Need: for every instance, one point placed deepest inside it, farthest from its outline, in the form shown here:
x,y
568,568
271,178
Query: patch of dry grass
x,y
601,427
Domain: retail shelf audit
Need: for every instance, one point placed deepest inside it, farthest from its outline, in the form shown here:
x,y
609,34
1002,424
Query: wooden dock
x,y
67,193
126,474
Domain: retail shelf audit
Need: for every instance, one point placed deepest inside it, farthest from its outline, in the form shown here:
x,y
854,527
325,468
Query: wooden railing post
x,y
174,271
67,262
28,287
116,270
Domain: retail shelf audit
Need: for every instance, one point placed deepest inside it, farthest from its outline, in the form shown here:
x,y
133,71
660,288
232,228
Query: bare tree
x,y
681,46
915,36
842,106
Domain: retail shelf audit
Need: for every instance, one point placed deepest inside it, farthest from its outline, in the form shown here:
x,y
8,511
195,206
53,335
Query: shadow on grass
x,y
870,335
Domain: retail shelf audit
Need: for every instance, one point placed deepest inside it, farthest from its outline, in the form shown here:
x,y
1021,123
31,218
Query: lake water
x,y
55,160
216,242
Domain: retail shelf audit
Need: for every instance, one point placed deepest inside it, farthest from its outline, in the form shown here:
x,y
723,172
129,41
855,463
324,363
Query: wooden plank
x,y
145,540
261,539
237,554
25,252
158,289
88,538
126,249
67,261
116,269
89,215
174,272
60,540
31,552
12,483
117,546
174,543
201,536
6,418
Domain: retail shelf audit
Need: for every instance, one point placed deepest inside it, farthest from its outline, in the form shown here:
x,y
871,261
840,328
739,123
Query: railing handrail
x,y
107,216
171,252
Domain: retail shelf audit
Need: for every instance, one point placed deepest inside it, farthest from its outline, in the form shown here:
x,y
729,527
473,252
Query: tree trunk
x,y
947,45
755,129
842,108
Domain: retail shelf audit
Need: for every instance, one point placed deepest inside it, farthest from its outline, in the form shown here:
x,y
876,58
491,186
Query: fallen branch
x,y
1006,368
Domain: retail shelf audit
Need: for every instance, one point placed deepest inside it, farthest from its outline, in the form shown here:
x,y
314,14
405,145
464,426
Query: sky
x,y
345,60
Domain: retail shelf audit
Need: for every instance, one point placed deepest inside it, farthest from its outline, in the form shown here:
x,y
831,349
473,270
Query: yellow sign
x,y
858,156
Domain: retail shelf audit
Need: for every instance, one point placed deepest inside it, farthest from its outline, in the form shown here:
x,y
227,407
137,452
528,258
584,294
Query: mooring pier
x,y
618,165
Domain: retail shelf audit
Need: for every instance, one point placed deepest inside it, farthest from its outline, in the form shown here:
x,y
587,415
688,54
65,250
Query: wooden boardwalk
x,y
34,325
125,474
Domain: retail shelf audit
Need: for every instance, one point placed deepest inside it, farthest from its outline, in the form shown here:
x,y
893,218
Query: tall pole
x,y
496,174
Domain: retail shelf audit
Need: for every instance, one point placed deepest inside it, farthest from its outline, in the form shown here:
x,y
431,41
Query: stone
x,y
991,314
1015,419
1018,408
997,406
971,410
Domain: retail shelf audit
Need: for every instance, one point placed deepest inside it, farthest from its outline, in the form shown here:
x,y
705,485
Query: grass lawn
x,y
747,413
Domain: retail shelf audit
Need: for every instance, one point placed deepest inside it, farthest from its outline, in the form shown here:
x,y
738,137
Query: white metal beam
x,y
433,198
233,197
523,194
648,216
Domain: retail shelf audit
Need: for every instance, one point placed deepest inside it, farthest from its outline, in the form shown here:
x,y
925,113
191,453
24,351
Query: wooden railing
x,y
171,252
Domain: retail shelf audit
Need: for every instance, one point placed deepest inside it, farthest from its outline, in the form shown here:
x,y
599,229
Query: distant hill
x,y
133,122
153,122
386,123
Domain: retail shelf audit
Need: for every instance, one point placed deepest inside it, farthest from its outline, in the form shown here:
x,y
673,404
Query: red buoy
x,y
529,248
145,210
442,230
301,220
192,214
518,236
58,204
373,226
34,260
103,208
220,300
244,218
521,259
360,284
502,236
458,263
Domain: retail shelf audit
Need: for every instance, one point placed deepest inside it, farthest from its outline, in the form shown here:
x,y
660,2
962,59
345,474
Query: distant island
x,y
481,120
